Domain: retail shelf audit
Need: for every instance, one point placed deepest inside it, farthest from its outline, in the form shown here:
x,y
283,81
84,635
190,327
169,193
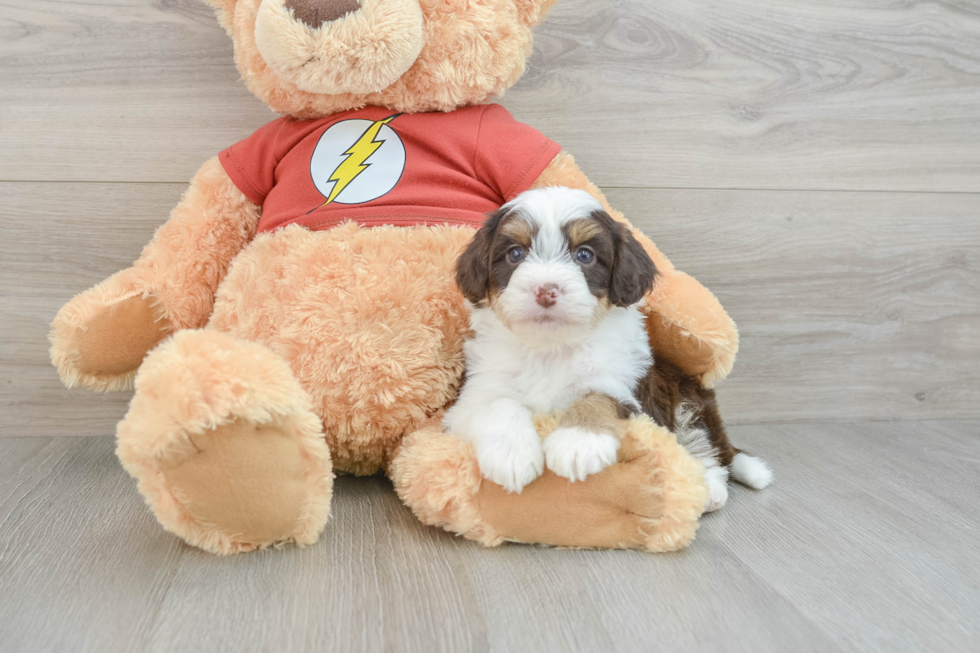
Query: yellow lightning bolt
x,y
357,154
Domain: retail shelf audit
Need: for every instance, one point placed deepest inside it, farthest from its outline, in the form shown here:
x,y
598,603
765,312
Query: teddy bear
x,y
297,315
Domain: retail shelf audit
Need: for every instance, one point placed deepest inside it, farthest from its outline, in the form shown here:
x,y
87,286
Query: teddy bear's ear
x,y
534,11
225,10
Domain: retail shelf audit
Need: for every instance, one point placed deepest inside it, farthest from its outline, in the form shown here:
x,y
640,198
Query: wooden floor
x,y
867,542
816,164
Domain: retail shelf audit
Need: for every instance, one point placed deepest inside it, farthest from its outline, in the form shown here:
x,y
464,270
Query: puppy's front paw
x,y
575,454
512,462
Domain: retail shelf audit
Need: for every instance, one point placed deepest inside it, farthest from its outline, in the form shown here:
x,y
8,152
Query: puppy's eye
x,y
584,255
516,254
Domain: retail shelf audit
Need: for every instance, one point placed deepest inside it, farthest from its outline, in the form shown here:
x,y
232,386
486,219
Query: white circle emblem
x,y
356,161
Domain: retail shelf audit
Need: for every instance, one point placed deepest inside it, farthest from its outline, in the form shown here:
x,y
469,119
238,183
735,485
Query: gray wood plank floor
x,y
867,541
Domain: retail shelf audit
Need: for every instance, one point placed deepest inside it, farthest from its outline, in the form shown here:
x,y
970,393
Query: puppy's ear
x,y
633,271
473,266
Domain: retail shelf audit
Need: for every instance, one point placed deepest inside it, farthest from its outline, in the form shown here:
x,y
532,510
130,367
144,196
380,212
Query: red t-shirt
x,y
375,167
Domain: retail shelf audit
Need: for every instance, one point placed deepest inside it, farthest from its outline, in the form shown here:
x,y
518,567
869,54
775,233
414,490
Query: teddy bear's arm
x,y
99,338
686,322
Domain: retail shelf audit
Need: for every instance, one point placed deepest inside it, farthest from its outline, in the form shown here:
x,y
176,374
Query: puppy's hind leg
x,y
695,436
751,471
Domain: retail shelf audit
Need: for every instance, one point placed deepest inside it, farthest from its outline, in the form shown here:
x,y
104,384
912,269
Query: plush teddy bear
x,y
297,315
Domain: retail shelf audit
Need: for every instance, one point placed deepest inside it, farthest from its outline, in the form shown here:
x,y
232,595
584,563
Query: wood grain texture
x,y
850,305
881,94
865,542
57,240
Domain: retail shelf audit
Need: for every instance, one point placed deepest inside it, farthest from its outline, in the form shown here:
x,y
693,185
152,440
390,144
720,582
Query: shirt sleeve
x,y
251,163
510,155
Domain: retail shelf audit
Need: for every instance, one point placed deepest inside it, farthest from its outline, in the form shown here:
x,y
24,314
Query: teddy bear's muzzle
x,y
340,46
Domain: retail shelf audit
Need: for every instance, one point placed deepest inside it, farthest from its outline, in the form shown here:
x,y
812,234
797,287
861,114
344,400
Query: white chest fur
x,y
610,358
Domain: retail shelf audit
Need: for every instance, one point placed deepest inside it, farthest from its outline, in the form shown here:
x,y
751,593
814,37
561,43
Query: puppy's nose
x,y
317,12
547,294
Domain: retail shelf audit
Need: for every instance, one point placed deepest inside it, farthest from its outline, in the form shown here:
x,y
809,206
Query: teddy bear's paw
x,y
225,445
575,454
245,486
101,336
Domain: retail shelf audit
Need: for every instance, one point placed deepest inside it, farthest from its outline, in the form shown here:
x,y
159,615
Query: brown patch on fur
x,y
518,230
598,237
513,232
666,387
622,271
597,413
633,272
581,231
483,270
316,12
473,266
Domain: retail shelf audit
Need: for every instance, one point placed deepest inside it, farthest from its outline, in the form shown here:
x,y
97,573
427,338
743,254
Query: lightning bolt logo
x,y
356,162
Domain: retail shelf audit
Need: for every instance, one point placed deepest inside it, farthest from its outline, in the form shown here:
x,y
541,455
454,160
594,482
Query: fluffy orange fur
x,y
472,51
365,50
379,353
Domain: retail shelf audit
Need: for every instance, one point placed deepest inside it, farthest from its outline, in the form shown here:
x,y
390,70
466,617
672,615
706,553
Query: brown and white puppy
x,y
553,284
680,403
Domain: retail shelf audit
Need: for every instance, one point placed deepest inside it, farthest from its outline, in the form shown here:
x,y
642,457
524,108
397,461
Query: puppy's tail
x,y
751,471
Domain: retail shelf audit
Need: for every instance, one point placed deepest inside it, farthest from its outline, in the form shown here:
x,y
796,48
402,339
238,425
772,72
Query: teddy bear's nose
x,y
316,12
340,46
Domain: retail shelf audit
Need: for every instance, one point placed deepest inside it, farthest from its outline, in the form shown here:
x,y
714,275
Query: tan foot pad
x,y
116,339
244,479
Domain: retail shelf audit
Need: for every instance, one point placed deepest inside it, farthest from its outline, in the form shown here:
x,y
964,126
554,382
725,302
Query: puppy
x,y
553,283
679,403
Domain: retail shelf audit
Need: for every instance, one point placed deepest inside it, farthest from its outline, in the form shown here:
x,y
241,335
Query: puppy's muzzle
x,y
340,46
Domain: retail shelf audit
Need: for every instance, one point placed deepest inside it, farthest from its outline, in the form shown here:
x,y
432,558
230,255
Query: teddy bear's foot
x,y
649,499
225,445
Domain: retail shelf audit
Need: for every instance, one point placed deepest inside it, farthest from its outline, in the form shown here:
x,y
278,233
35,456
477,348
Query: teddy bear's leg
x,y
99,338
649,499
225,445
686,322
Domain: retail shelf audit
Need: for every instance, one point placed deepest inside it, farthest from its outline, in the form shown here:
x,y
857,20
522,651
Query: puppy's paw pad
x,y
575,454
512,464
